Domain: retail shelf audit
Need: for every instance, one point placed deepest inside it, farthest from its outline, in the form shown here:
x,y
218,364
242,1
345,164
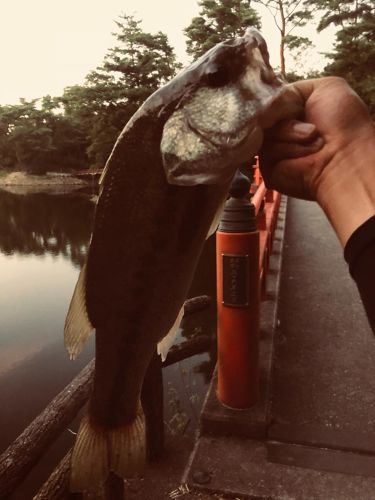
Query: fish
x,y
161,195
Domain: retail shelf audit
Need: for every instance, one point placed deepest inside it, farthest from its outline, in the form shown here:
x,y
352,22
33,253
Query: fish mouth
x,y
221,140
215,166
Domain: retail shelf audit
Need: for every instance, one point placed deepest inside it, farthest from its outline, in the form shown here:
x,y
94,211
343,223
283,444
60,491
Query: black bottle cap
x,y
239,213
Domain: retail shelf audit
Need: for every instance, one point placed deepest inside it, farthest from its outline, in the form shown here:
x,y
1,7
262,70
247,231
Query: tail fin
x,y
98,451
127,447
89,464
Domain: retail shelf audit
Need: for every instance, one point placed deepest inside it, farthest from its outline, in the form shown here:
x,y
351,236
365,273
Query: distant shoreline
x,y
22,183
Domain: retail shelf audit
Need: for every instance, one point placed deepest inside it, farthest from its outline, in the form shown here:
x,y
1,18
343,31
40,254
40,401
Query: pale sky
x,y
46,45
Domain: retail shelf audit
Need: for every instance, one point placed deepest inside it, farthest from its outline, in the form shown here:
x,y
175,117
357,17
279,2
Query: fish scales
x,y
144,268
163,187
151,230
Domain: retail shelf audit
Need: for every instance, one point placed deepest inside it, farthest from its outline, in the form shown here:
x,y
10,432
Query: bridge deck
x,y
320,428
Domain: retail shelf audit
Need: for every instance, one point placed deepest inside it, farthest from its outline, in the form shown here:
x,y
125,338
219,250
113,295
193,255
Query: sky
x,y
47,45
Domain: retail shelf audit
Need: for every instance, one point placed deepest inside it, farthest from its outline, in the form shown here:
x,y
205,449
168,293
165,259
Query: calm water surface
x,y
43,244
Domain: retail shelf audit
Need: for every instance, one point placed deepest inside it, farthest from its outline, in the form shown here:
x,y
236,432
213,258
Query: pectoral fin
x,y
77,324
166,343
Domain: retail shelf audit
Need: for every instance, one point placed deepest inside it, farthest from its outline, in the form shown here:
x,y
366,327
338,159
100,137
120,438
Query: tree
x,y
218,20
133,69
140,64
35,138
288,15
26,136
354,53
83,124
7,153
91,109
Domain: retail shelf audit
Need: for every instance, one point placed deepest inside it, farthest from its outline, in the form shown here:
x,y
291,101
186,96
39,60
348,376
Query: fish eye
x,y
218,78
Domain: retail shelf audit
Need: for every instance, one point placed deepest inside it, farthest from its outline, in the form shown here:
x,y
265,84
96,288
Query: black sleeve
x,y
359,253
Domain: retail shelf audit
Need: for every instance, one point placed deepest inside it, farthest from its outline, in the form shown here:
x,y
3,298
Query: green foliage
x,y
36,138
93,109
343,13
134,68
353,57
139,64
80,127
7,153
294,42
218,20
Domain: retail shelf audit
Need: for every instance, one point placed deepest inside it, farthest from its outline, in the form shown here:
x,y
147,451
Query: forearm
x,y
346,191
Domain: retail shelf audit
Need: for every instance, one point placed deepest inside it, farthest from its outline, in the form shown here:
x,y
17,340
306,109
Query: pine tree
x,y
133,69
353,57
288,15
218,20
82,125
140,64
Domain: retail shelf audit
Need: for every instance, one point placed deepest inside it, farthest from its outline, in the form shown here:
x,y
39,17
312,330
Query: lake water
x,y
43,244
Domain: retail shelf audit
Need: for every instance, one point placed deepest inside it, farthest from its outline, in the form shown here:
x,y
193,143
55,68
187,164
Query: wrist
x,y
346,190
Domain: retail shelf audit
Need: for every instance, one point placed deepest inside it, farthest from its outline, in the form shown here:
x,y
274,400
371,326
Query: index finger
x,y
306,87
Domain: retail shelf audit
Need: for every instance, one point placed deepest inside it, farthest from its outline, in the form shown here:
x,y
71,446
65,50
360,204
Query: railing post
x,y
238,300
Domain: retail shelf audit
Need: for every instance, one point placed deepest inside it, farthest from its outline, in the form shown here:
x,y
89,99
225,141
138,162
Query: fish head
x,y
225,101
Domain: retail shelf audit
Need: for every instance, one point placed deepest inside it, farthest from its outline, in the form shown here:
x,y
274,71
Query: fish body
x,y
163,186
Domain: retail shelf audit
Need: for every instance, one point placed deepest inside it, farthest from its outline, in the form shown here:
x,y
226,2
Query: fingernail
x,y
303,128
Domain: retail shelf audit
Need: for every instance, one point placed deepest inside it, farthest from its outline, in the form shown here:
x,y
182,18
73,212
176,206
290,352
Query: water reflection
x,y
41,224
43,243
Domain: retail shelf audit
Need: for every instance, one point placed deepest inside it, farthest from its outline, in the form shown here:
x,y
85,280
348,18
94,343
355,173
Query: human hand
x,y
328,157
307,159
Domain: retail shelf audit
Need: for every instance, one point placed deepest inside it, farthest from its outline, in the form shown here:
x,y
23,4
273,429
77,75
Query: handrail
x,y
21,456
258,197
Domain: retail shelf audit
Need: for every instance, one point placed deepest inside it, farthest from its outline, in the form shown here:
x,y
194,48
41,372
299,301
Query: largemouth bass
x,y
160,194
